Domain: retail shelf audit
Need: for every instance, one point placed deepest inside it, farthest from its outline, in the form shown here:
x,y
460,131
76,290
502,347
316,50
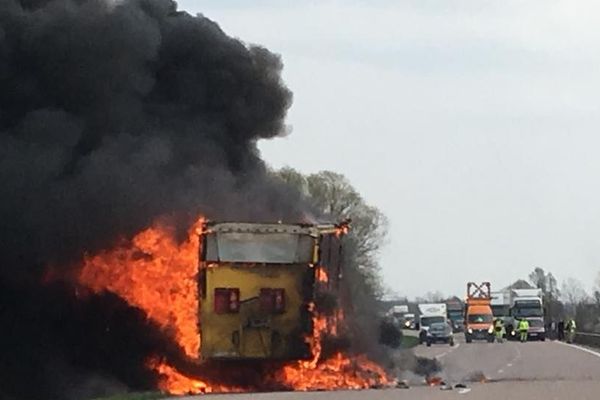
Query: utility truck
x,y
479,320
456,314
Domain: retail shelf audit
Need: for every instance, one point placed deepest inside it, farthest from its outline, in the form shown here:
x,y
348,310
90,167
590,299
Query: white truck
x,y
409,321
398,311
526,304
501,305
429,314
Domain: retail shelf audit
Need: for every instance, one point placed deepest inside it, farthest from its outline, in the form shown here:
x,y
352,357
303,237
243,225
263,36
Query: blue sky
x,y
472,124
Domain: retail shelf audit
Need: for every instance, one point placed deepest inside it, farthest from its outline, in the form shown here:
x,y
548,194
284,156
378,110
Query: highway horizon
x,y
533,370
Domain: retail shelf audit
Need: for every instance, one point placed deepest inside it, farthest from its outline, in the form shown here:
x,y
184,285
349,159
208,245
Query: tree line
x,y
331,196
570,300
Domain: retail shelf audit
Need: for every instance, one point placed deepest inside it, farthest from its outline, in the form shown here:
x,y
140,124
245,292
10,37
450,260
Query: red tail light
x,y
272,301
227,300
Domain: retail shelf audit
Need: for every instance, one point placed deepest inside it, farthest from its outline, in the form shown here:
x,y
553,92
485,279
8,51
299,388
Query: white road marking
x,y
515,358
592,352
500,371
463,391
444,354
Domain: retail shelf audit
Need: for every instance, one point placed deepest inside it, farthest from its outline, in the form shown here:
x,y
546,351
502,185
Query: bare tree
x,y
545,281
333,196
432,297
551,295
573,293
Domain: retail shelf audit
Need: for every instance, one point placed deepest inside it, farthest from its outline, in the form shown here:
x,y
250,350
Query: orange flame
x,y
322,275
337,372
157,274
433,380
176,383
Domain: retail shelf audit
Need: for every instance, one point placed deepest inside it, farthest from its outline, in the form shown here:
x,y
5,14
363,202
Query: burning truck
x,y
258,301
258,285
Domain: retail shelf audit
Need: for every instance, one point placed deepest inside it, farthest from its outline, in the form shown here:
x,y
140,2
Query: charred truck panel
x,y
258,285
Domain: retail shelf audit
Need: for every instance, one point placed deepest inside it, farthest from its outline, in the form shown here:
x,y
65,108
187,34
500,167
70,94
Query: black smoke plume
x,y
113,113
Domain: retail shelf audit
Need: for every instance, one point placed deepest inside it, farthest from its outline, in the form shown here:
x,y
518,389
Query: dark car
x,y
440,332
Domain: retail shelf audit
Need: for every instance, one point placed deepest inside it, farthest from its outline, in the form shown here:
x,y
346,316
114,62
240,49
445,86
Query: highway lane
x,y
515,361
535,370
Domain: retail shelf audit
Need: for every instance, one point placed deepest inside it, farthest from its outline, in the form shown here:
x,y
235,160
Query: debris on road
x,y
477,376
402,385
463,391
460,386
426,366
433,380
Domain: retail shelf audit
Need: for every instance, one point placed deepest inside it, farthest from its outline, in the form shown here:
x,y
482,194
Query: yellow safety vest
x,y
523,325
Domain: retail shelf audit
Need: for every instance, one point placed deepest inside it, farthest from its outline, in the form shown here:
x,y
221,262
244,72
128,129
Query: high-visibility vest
x,y
523,325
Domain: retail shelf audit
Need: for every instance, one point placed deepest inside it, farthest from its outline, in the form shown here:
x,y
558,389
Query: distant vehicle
x,y
537,329
456,314
398,314
526,304
409,321
478,315
430,314
440,332
500,304
399,310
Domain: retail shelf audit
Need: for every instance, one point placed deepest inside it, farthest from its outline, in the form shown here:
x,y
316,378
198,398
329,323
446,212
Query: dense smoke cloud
x,y
113,113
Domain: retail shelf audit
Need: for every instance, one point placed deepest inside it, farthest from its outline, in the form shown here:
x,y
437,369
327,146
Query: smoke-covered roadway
x,y
535,370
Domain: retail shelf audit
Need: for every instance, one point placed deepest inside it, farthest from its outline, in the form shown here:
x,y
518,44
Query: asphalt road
x,y
535,370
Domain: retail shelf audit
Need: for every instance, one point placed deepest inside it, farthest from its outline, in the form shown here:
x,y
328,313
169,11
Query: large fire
x,y
156,273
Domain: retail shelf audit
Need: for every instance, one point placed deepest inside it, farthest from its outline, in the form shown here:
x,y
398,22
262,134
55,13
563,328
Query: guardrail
x,y
588,339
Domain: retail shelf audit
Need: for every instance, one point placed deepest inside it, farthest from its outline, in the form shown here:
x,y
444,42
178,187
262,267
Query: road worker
x,y
523,329
570,330
560,330
499,330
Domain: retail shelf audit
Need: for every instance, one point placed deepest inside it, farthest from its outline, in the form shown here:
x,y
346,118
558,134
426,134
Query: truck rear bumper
x,y
537,335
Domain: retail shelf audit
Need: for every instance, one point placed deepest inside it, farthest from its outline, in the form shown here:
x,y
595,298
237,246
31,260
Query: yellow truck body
x,y
258,284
